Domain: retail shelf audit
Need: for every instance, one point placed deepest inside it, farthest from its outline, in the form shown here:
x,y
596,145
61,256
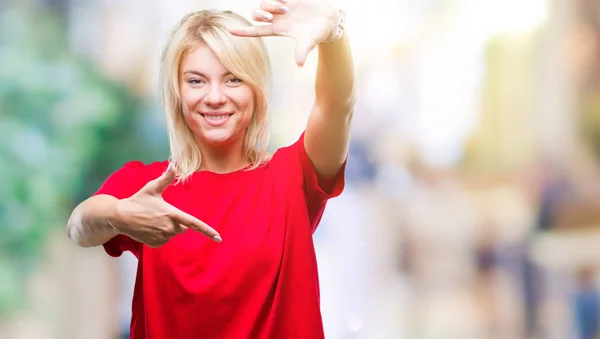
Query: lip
x,y
215,122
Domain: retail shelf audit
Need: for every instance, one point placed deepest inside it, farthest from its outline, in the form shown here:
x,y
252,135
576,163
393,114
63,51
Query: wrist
x,y
114,219
338,30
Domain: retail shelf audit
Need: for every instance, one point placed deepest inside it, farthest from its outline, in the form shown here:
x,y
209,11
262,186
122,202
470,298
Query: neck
x,y
224,159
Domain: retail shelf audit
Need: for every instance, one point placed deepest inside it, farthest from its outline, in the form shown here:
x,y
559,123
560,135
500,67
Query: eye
x,y
195,81
235,81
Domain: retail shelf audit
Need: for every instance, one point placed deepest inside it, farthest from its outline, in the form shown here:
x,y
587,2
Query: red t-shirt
x,y
260,282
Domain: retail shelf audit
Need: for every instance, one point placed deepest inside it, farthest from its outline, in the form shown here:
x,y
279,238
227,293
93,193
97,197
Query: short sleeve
x,y
299,169
314,192
122,184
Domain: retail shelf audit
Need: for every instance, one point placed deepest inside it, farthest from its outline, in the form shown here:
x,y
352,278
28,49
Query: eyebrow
x,y
201,74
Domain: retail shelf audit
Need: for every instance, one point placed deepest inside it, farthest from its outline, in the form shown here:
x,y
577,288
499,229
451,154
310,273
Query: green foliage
x,y
64,127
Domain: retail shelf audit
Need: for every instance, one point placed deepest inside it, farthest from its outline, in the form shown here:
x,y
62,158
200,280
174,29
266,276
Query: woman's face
x,y
217,106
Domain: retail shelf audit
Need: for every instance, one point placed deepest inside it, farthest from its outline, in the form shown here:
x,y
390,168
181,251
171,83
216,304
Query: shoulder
x,y
285,164
142,170
140,165
286,154
130,177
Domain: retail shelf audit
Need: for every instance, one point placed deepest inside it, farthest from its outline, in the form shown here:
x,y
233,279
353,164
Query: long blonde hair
x,y
246,58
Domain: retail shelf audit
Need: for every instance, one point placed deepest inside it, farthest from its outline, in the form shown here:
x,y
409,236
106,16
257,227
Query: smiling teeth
x,y
215,117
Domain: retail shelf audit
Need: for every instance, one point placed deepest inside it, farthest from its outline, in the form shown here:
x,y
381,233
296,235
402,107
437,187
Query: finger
x,y
157,243
252,31
158,185
302,50
179,228
195,224
261,16
275,7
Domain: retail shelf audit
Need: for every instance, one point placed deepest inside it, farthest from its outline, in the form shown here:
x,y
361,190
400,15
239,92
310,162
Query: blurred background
x,y
472,205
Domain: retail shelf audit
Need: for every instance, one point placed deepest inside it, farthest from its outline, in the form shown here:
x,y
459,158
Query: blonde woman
x,y
252,273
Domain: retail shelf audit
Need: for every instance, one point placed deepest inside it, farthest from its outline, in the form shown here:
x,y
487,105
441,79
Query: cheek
x,y
246,102
190,99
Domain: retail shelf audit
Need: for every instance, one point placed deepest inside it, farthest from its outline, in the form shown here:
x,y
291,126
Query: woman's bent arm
x,y
90,223
328,130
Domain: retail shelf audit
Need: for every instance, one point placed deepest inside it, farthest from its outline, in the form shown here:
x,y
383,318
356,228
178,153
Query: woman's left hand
x,y
308,21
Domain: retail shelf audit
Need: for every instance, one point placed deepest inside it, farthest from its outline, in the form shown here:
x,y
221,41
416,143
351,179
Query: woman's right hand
x,y
148,218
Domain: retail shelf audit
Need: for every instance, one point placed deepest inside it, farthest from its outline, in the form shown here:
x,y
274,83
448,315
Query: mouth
x,y
216,119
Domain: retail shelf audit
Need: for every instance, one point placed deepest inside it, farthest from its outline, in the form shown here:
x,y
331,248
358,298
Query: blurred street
x,y
472,202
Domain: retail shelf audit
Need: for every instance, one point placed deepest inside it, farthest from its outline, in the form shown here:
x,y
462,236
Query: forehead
x,y
201,58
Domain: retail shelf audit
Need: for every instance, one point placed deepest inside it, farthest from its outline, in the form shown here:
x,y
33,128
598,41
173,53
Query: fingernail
x,y
268,16
217,238
284,9
170,167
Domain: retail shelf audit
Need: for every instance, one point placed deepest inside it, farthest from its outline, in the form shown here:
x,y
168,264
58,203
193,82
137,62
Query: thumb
x,y
304,47
158,185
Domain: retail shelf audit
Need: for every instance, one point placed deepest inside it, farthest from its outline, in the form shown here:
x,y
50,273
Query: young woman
x,y
253,272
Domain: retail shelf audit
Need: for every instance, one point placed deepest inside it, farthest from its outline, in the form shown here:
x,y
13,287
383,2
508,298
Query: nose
x,y
215,96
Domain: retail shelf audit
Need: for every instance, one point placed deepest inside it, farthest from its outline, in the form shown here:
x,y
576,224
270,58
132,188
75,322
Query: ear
x,y
183,109
255,105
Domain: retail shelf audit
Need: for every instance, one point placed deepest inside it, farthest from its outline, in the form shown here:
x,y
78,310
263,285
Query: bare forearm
x,y
90,222
335,87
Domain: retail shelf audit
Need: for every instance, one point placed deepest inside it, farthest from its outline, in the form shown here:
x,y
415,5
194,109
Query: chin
x,y
218,138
